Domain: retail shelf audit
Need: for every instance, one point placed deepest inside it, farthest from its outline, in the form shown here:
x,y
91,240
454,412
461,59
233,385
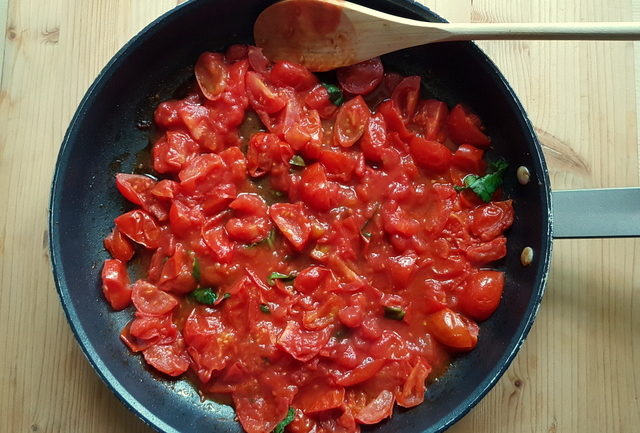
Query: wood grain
x,y
578,370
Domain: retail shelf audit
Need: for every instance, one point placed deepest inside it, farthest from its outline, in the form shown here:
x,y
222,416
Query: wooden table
x,y
579,370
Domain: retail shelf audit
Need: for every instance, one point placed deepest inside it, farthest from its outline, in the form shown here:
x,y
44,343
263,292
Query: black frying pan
x,y
104,137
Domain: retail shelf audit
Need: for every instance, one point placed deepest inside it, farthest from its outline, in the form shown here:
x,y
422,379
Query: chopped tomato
x,y
361,78
115,284
470,159
212,75
377,409
292,74
453,329
140,227
482,294
430,154
292,222
118,246
147,298
317,192
351,121
466,128
262,96
405,96
318,99
431,116
170,359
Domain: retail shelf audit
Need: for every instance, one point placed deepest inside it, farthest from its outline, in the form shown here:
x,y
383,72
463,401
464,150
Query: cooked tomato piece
x,y
140,227
466,128
453,329
361,78
265,151
217,239
172,151
115,284
431,116
148,299
361,373
393,119
318,99
212,75
470,159
486,252
492,219
319,396
377,409
430,154
374,138
482,295
236,52
177,272
351,121
297,76
412,393
118,246
292,221
262,96
316,191
405,96
170,359
300,344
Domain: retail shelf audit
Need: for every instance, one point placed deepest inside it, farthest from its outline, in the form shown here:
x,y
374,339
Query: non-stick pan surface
x,y
104,137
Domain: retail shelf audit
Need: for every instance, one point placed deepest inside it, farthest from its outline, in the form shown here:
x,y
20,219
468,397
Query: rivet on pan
x,y
523,175
526,257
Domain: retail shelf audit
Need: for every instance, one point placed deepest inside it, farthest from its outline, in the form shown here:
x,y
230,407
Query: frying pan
x,y
105,137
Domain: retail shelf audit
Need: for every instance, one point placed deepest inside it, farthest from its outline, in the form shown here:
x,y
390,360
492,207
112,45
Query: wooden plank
x,y
53,51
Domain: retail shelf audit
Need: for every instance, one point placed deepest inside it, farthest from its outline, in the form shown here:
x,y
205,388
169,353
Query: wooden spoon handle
x,y
620,31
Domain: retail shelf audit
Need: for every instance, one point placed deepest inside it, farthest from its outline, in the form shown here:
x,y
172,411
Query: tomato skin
x,y
119,246
365,371
405,96
171,152
487,252
170,359
265,151
318,397
212,75
177,273
148,299
217,239
115,284
374,138
465,128
469,159
412,393
318,99
482,295
297,76
261,95
300,344
453,329
351,121
317,192
393,119
292,221
431,115
378,409
492,219
140,227
431,155
361,78
198,169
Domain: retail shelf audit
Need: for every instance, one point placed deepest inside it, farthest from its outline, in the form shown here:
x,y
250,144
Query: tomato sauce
x,y
314,264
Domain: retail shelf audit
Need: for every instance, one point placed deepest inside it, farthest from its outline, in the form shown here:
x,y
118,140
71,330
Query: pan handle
x,y
596,213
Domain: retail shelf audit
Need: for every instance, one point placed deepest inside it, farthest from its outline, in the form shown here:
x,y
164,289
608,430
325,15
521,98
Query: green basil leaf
x,y
394,313
291,413
279,276
298,161
485,186
335,94
265,308
205,295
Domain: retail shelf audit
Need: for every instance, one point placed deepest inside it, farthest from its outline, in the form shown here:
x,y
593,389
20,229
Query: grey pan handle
x,y
596,213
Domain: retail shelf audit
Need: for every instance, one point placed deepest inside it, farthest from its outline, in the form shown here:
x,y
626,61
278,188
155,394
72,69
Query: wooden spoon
x,y
328,34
